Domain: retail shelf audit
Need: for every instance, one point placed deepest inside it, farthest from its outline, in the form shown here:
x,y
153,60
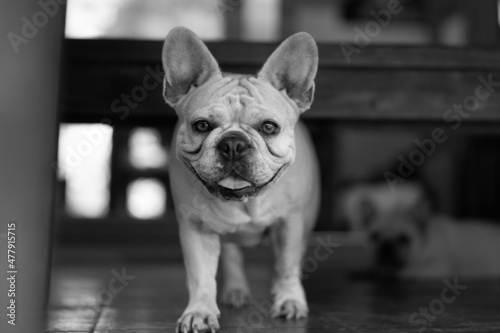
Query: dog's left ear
x,y
187,62
293,67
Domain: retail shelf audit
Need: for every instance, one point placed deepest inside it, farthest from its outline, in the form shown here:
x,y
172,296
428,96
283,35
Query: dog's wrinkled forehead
x,y
235,93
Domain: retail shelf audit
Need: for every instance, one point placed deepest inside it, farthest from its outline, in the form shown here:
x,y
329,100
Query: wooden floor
x,y
152,296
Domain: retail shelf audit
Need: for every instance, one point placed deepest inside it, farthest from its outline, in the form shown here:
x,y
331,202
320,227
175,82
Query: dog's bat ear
x,y
293,67
187,62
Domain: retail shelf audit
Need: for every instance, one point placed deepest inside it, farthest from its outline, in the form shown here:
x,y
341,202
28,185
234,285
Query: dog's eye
x,y
269,128
202,126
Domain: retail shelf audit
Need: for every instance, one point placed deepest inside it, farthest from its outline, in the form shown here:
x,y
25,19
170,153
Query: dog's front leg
x,y
201,249
235,291
289,245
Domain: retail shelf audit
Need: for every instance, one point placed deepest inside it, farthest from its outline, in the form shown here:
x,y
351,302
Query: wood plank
x,y
382,83
400,95
341,94
331,55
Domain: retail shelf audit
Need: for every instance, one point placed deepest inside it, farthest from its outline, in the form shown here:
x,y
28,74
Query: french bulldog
x,y
413,242
356,203
244,165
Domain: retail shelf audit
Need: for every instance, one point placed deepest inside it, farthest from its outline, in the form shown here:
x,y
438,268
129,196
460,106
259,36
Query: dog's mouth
x,y
235,187
234,183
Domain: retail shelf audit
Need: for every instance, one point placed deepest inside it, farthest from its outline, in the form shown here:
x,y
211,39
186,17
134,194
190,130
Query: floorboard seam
x,y
94,326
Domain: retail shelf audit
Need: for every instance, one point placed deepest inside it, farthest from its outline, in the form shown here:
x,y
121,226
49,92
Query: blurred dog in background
x,y
411,241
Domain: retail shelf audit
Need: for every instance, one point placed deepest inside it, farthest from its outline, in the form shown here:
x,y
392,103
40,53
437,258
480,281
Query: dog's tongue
x,y
234,183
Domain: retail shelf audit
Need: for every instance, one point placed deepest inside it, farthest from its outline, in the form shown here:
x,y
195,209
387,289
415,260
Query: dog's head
x,y
396,222
397,235
236,132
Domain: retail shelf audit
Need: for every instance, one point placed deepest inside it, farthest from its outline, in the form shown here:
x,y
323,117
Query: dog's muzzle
x,y
235,181
233,146
392,252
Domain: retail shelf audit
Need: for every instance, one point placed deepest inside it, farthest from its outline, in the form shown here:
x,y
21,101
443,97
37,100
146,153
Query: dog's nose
x,y
388,254
233,147
391,252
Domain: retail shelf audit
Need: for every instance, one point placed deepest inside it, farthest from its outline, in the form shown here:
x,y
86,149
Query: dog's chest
x,y
248,218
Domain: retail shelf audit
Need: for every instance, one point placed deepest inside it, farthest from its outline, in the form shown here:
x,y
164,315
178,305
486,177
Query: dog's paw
x,y
197,322
289,299
290,309
236,297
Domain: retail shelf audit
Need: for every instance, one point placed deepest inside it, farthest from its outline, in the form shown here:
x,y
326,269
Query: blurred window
x,y
146,150
83,161
261,20
145,19
146,198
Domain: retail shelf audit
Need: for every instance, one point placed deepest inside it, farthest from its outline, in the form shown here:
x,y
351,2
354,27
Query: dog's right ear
x,y
292,67
187,62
